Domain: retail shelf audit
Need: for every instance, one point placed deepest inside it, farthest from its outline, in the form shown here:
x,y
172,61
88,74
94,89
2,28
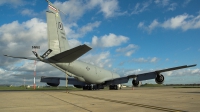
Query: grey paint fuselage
x,y
90,73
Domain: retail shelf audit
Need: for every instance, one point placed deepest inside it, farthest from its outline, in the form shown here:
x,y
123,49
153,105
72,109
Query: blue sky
x,y
127,37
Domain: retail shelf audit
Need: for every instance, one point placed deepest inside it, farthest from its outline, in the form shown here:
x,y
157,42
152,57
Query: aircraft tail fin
x,y
57,40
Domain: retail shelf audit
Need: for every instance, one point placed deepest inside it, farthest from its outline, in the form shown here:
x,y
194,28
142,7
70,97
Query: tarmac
x,y
142,99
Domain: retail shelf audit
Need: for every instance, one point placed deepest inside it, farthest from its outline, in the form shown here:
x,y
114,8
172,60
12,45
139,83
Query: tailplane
x,y
57,40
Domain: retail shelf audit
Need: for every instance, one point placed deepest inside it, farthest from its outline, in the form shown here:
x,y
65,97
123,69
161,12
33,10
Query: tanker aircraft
x,y
79,73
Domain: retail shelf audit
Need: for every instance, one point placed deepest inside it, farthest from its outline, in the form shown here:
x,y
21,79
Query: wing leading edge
x,y
145,76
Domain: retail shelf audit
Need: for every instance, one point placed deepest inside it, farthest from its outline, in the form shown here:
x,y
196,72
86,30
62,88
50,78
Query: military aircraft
x,y
83,75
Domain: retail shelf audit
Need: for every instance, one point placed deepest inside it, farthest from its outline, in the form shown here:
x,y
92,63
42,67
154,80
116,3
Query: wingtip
x,y
192,65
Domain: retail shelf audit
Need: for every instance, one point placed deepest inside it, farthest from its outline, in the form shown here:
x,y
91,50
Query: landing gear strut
x,y
113,87
87,87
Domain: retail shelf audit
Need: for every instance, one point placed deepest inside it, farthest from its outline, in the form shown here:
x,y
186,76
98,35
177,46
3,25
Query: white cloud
x,y
77,32
129,50
101,59
175,22
89,27
110,40
140,7
162,2
184,22
73,43
28,12
14,3
147,60
183,72
149,28
74,9
17,38
132,72
154,59
172,7
186,2
77,8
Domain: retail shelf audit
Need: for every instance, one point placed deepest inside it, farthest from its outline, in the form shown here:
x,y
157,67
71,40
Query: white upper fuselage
x,y
90,73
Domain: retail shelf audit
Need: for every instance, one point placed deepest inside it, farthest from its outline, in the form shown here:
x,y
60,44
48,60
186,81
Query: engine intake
x,y
136,83
159,79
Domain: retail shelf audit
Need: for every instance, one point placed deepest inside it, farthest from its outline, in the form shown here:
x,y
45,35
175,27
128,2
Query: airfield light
x,y
34,71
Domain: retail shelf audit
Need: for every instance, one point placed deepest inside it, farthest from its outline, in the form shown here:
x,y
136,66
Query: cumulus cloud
x,y
183,72
28,12
17,38
80,32
129,50
77,8
73,43
77,32
132,72
110,40
109,8
146,60
101,59
184,22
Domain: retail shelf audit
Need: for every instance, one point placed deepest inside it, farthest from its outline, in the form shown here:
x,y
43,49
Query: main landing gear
x,y
93,87
114,87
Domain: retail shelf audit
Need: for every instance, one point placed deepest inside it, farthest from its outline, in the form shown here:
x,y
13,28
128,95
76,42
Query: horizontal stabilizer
x,y
29,58
70,55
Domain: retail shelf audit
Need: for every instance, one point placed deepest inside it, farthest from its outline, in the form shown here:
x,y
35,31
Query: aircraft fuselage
x,y
87,72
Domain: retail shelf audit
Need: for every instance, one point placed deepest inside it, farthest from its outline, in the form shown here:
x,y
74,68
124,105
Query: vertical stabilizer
x,y
57,40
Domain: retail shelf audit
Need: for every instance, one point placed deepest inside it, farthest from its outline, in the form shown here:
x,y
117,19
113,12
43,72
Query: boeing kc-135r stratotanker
x,y
84,75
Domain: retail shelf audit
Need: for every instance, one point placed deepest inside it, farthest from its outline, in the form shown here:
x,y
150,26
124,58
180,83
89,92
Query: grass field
x,y
21,88
37,89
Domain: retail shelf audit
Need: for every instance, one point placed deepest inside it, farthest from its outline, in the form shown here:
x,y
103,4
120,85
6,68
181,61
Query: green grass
x,y
187,87
37,89
152,85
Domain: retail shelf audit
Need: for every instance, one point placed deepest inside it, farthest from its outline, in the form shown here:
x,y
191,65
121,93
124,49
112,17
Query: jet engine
x,y
53,84
78,86
159,79
136,83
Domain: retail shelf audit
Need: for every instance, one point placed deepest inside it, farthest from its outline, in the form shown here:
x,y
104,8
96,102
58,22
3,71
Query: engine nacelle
x,y
78,86
136,83
159,79
53,84
51,81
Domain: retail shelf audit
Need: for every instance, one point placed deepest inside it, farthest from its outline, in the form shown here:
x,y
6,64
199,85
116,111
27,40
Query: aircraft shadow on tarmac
x,y
193,92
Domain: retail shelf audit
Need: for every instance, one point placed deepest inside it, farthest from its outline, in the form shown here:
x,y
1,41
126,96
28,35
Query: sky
x,y
127,37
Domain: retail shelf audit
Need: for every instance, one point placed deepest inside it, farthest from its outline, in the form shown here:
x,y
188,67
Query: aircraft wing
x,y
152,75
55,80
29,58
71,54
144,76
